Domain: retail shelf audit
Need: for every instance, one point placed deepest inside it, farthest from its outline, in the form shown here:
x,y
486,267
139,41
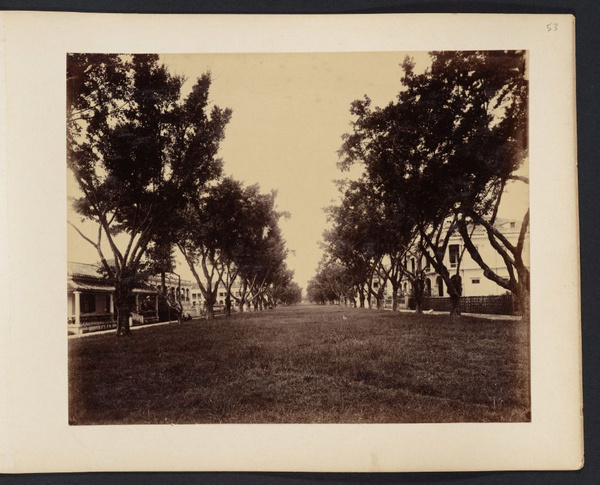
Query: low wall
x,y
491,305
97,322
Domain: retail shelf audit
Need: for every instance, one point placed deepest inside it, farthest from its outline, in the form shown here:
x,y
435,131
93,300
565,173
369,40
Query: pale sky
x,y
289,113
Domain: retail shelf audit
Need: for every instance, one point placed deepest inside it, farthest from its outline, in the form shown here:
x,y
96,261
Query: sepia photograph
x,y
298,238
289,243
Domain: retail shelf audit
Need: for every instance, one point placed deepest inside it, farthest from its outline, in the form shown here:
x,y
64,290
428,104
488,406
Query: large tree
x,y
228,233
445,151
354,239
137,151
267,268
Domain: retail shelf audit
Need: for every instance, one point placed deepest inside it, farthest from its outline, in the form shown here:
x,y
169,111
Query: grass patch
x,y
305,365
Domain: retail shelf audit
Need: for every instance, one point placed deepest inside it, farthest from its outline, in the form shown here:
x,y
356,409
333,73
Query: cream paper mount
x,y
35,435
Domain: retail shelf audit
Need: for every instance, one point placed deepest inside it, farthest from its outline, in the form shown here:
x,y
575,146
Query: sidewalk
x,y
476,315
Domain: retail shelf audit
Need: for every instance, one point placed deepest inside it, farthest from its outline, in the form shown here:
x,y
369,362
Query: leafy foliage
x,y
137,152
443,153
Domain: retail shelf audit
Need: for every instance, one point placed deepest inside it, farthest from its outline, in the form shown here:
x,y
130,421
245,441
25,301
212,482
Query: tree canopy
x,y
443,153
138,151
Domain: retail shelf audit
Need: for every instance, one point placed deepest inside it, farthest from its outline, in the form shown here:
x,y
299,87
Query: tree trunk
x,y
228,304
418,290
455,300
362,298
121,296
379,298
394,297
123,314
523,291
210,311
418,305
210,307
455,291
524,304
163,284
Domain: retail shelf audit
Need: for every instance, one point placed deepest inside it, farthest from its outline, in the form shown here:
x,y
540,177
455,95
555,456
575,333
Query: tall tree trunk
x,y
210,311
380,300
123,314
455,310
418,290
455,291
361,295
523,297
121,295
163,284
395,296
242,299
210,307
523,290
228,304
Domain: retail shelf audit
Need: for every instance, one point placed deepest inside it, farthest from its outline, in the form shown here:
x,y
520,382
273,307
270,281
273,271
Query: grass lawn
x,y
304,364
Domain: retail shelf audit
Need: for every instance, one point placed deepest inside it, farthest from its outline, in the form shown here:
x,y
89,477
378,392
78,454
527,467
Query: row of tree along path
x,y
436,163
145,160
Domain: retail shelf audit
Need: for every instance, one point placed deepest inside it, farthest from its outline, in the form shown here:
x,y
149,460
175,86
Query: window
x,y
375,284
512,225
412,264
475,281
427,287
453,250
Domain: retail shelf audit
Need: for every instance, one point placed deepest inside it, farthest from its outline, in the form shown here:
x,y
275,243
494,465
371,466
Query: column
x,y
112,308
137,303
156,304
77,308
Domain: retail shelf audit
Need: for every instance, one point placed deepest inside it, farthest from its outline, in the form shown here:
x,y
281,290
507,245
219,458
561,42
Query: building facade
x,y
474,283
90,299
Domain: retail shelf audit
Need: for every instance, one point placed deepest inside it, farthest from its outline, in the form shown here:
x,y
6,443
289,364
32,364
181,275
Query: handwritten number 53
x,y
552,27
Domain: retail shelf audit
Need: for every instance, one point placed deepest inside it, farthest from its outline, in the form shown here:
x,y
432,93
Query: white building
x,y
474,283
